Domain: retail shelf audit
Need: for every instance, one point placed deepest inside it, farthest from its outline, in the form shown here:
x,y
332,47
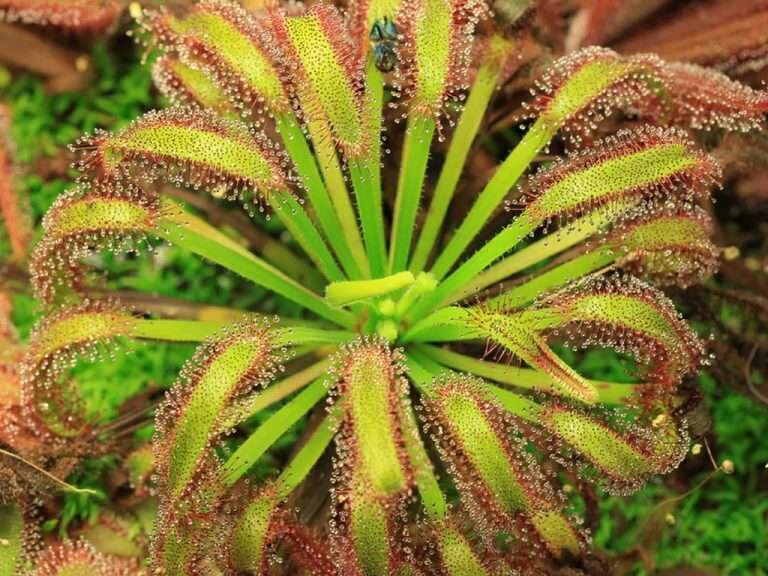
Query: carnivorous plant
x,y
427,356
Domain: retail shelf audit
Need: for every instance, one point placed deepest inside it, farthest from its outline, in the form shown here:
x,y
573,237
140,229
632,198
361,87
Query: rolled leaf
x,y
106,216
632,317
80,331
232,46
672,247
625,458
495,474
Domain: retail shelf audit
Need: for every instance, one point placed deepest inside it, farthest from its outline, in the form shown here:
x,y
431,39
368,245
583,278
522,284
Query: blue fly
x,y
384,38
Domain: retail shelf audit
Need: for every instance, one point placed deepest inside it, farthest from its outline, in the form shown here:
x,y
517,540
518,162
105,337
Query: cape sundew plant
x,y
429,375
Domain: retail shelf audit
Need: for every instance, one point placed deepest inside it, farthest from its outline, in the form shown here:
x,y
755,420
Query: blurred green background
x,y
710,523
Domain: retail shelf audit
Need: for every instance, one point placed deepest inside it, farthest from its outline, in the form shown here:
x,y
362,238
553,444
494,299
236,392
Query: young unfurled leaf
x,y
184,85
629,168
232,46
670,247
436,50
626,458
189,147
326,74
516,338
55,344
223,369
373,391
498,478
117,218
68,558
633,317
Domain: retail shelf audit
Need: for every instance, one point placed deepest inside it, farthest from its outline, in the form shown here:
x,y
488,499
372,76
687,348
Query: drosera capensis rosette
x,y
419,360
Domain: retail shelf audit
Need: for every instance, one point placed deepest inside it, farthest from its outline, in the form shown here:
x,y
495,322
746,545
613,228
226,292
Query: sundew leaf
x,y
496,476
624,455
515,337
189,424
372,390
234,48
188,147
457,556
670,247
436,51
79,331
77,16
630,316
224,368
325,75
639,166
371,463
367,540
706,99
253,533
583,88
12,536
106,216
71,557
185,85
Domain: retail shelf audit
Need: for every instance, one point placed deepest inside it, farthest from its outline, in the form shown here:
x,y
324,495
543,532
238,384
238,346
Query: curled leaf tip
x,y
632,317
624,454
108,216
56,343
671,247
